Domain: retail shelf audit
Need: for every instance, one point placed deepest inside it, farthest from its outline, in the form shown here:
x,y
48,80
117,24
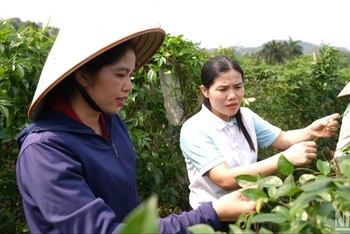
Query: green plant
x,y
143,218
315,203
311,204
22,55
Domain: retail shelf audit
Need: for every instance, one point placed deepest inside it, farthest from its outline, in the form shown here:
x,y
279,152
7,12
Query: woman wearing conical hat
x,y
344,134
76,169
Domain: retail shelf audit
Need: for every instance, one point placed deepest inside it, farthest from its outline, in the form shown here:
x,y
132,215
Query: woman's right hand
x,y
230,206
301,153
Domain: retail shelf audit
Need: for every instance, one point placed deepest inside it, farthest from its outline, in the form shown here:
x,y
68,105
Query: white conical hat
x,y
345,92
77,44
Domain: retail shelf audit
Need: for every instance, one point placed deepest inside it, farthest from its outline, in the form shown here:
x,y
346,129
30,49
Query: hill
x,y
307,48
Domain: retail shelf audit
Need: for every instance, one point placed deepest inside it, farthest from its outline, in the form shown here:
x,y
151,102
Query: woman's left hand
x,y
230,206
325,127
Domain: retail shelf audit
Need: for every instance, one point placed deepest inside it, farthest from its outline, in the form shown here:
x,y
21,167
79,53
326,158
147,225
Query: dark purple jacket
x,y
75,181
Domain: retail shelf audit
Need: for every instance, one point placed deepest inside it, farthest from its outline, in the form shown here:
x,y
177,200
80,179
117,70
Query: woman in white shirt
x,y
221,141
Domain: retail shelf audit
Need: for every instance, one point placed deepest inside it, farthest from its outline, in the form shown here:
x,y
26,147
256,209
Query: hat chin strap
x,y
87,98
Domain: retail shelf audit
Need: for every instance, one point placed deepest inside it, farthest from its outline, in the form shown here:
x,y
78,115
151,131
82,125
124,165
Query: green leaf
x,y
325,196
2,48
323,184
245,180
289,181
345,168
133,96
272,193
287,190
143,219
20,70
157,178
151,76
150,166
269,217
4,111
260,203
284,166
233,229
25,83
303,200
201,228
254,194
323,166
260,176
263,230
323,209
298,227
5,134
306,177
9,120
270,181
281,210
5,101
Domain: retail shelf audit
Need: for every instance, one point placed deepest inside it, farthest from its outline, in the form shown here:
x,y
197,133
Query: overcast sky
x,y
247,23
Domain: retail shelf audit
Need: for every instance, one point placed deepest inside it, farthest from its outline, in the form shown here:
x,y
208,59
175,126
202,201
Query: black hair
x,y
212,69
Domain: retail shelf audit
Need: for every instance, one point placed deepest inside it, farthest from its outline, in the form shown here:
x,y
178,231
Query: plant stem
x,y
338,167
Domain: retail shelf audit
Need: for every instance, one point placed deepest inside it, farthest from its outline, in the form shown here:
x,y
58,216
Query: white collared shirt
x,y
206,141
344,134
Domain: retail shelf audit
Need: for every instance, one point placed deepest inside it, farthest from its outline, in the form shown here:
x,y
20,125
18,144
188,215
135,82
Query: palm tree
x,y
293,48
273,52
276,52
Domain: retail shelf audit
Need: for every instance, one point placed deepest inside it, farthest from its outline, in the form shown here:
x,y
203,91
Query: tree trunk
x,y
171,93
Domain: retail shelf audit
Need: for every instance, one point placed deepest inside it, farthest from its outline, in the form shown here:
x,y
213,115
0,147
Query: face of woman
x,y
226,94
110,87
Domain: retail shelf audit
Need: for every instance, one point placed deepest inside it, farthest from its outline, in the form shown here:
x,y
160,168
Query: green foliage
x,y
143,218
284,166
345,59
298,92
22,55
313,204
230,52
186,60
289,95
